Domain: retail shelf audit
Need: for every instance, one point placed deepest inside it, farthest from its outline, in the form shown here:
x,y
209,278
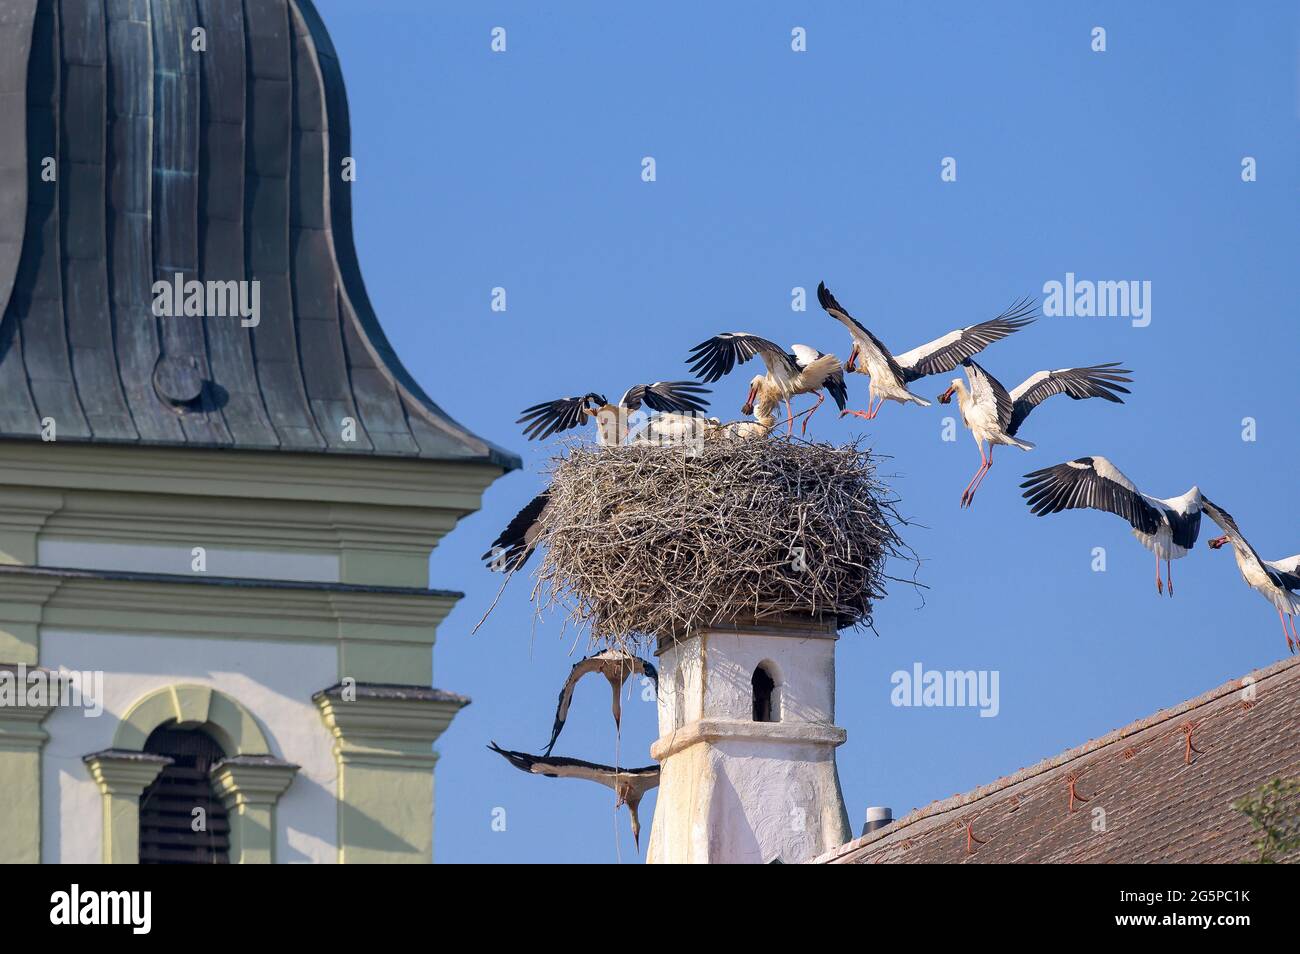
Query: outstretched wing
x,y
865,340
551,417
988,391
944,354
1092,483
1285,573
556,767
1096,381
717,356
514,545
580,669
1225,522
680,396
1288,571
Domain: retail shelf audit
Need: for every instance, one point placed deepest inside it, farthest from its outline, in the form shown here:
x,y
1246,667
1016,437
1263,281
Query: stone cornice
x,y
384,728
252,779
715,730
214,607
338,479
121,772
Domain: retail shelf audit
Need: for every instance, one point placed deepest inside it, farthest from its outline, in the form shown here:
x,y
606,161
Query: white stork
x,y
994,417
630,785
552,417
890,375
515,544
617,667
1168,528
1275,580
801,370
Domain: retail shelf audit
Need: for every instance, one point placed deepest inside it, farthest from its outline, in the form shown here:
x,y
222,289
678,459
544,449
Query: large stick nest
x,y
645,542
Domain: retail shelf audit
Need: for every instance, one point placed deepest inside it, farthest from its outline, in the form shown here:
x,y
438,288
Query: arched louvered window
x,y
767,707
182,821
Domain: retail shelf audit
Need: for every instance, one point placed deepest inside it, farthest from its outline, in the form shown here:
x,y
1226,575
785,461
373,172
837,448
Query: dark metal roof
x,y
219,165
1165,783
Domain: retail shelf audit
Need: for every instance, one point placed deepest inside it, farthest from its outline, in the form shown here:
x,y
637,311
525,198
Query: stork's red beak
x,y
946,396
748,407
851,364
1218,542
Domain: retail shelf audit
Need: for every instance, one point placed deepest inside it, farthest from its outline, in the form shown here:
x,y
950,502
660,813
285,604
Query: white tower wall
x,y
733,789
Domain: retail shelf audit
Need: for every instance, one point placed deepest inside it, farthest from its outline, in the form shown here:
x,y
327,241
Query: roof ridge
x,y
962,800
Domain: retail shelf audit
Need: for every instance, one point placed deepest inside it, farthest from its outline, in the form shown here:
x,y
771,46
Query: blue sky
x,y
777,169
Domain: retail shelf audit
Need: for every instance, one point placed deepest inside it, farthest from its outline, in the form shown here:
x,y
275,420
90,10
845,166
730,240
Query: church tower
x,y
216,624
747,741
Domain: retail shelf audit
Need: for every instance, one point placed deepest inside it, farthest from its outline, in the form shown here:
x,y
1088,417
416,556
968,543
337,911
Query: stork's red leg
x,y
1160,584
1290,644
1169,573
965,494
1294,633
869,414
987,465
789,417
821,396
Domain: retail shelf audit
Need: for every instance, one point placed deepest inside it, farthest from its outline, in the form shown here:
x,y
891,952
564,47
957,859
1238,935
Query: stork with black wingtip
x,y
667,397
801,370
1275,580
1166,527
994,417
617,667
629,785
890,375
515,544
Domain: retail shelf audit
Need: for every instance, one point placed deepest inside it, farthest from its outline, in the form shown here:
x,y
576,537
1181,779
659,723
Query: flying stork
x,y
552,417
617,667
993,416
630,785
801,370
515,544
1275,580
890,375
1168,528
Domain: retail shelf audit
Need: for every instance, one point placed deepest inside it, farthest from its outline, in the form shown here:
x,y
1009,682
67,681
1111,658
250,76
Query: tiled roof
x,y
221,165
1158,790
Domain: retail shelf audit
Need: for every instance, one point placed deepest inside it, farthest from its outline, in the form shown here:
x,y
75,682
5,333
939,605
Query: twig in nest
x,y
644,542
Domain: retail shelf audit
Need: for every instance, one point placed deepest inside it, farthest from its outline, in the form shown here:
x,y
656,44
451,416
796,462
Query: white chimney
x,y
877,817
747,746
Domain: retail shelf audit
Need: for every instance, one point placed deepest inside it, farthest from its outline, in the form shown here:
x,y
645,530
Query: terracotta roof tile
x,y
1163,786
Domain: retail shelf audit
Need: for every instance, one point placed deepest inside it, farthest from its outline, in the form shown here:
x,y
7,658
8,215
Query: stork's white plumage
x,y
801,370
1275,580
1166,527
617,667
890,375
994,417
553,417
630,785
